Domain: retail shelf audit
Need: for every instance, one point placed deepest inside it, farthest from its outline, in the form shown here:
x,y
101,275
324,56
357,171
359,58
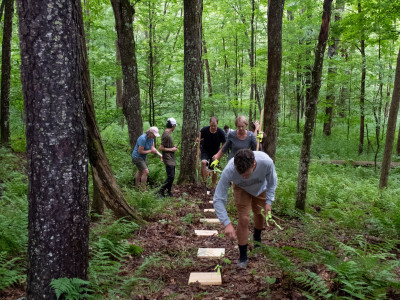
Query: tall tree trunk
x,y
123,13
362,89
398,144
58,227
118,81
151,67
251,57
6,72
391,128
311,108
193,10
271,100
299,94
208,74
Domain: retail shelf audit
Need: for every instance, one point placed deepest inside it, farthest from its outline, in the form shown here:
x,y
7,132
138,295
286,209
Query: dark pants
x,y
170,179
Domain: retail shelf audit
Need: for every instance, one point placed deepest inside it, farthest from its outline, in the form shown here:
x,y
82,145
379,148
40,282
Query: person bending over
x,y
255,180
212,137
144,145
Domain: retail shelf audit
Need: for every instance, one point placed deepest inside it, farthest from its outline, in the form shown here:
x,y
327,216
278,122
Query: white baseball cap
x,y
172,121
154,130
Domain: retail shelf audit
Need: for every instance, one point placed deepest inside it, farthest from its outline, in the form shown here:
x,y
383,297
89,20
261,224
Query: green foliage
x,y
315,285
11,271
135,250
70,288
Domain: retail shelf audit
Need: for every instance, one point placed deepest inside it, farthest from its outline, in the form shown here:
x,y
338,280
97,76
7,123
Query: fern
x,y
10,272
314,284
70,288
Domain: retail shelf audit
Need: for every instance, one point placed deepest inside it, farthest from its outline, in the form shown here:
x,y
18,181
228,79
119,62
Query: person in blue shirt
x,y
144,145
254,178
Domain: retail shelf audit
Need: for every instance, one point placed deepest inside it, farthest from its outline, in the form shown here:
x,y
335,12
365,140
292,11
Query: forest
x,y
81,81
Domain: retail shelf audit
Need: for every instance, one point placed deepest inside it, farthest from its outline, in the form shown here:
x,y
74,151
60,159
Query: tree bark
x,y
271,100
51,76
118,80
362,89
192,87
311,108
391,128
104,178
6,73
123,13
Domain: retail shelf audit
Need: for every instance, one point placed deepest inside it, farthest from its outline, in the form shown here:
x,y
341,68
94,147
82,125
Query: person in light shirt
x,y
254,183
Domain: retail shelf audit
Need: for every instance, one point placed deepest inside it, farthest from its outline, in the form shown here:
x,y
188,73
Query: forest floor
x,y
170,254
172,237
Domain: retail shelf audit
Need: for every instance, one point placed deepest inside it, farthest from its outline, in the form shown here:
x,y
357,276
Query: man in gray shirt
x,y
254,178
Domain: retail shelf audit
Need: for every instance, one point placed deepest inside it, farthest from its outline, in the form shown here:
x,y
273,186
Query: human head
x,y
244,160
171,122
226,128
213,124
241,124
252,127
152,132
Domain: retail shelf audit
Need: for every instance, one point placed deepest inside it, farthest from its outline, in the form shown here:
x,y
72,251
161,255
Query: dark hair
x,y
252,127
169,124
244,160
214,118
226,127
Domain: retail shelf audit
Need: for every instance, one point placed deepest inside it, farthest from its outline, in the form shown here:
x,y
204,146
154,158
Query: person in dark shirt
x,y
212,138
168,150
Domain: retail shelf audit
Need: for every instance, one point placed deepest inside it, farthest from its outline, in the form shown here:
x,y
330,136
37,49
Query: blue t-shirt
x,y
145,143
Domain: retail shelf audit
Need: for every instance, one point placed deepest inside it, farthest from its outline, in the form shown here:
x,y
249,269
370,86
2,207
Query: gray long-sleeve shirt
x,y
235,144
262,179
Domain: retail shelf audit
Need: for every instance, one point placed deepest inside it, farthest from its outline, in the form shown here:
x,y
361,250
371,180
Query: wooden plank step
x,y
204,220
205,232
211,202
205,278
211,252
209,210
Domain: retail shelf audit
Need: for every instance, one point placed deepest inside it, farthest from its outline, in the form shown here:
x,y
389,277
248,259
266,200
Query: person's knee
x,y
145,172
244,220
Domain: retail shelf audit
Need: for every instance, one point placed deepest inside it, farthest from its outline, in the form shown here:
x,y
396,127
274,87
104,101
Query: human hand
x,y
214,163
174,149
230,232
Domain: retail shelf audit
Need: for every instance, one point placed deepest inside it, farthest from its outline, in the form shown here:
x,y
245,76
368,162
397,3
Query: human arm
x,y
221,196
173,149
253,141
272,180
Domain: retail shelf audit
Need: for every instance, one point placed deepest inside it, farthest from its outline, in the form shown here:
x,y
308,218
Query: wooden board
x,y
210,201
206,232
209,220
206,278
211,252
209,210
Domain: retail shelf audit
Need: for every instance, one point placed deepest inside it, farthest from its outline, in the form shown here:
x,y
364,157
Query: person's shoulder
x,y
262,157
205,128
232,133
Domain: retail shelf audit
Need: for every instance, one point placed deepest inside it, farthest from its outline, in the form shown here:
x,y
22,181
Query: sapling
x,y
218,268
268,218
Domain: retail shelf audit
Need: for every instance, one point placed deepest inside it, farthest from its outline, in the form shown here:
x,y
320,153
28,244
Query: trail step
x,y
211,202
209,210
211,252
206,278
209,220
206,232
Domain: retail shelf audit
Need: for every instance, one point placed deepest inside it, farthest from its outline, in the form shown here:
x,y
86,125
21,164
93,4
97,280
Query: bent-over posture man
x,y
212,137
168,151
144,145
254,178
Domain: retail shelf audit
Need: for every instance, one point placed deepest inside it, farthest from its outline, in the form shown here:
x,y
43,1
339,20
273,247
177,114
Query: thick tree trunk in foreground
x,y
391,128
271,105
311,108
123,13
192,88
56,143
104,179
6,72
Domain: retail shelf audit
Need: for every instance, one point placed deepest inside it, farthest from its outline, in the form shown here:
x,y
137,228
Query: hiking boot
x,y
242,264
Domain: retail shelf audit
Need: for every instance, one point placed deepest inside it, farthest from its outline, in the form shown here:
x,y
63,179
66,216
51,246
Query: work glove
x,y
260,136
214,163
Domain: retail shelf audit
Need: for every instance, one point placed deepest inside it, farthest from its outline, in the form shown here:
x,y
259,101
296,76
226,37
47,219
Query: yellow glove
x,y
214,163
260,136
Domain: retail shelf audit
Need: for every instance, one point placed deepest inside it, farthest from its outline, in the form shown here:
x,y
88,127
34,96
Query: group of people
x,y
251,173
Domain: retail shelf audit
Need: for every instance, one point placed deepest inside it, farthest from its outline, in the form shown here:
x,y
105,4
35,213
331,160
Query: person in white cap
x,y
144,145
168,150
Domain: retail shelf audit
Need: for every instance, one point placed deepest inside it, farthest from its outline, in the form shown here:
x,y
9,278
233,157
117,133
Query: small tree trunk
x,y
271,100
311,108
362,91
391,128
6,72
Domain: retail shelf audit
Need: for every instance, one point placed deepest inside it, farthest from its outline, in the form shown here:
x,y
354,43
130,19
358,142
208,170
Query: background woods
x,y
80,82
